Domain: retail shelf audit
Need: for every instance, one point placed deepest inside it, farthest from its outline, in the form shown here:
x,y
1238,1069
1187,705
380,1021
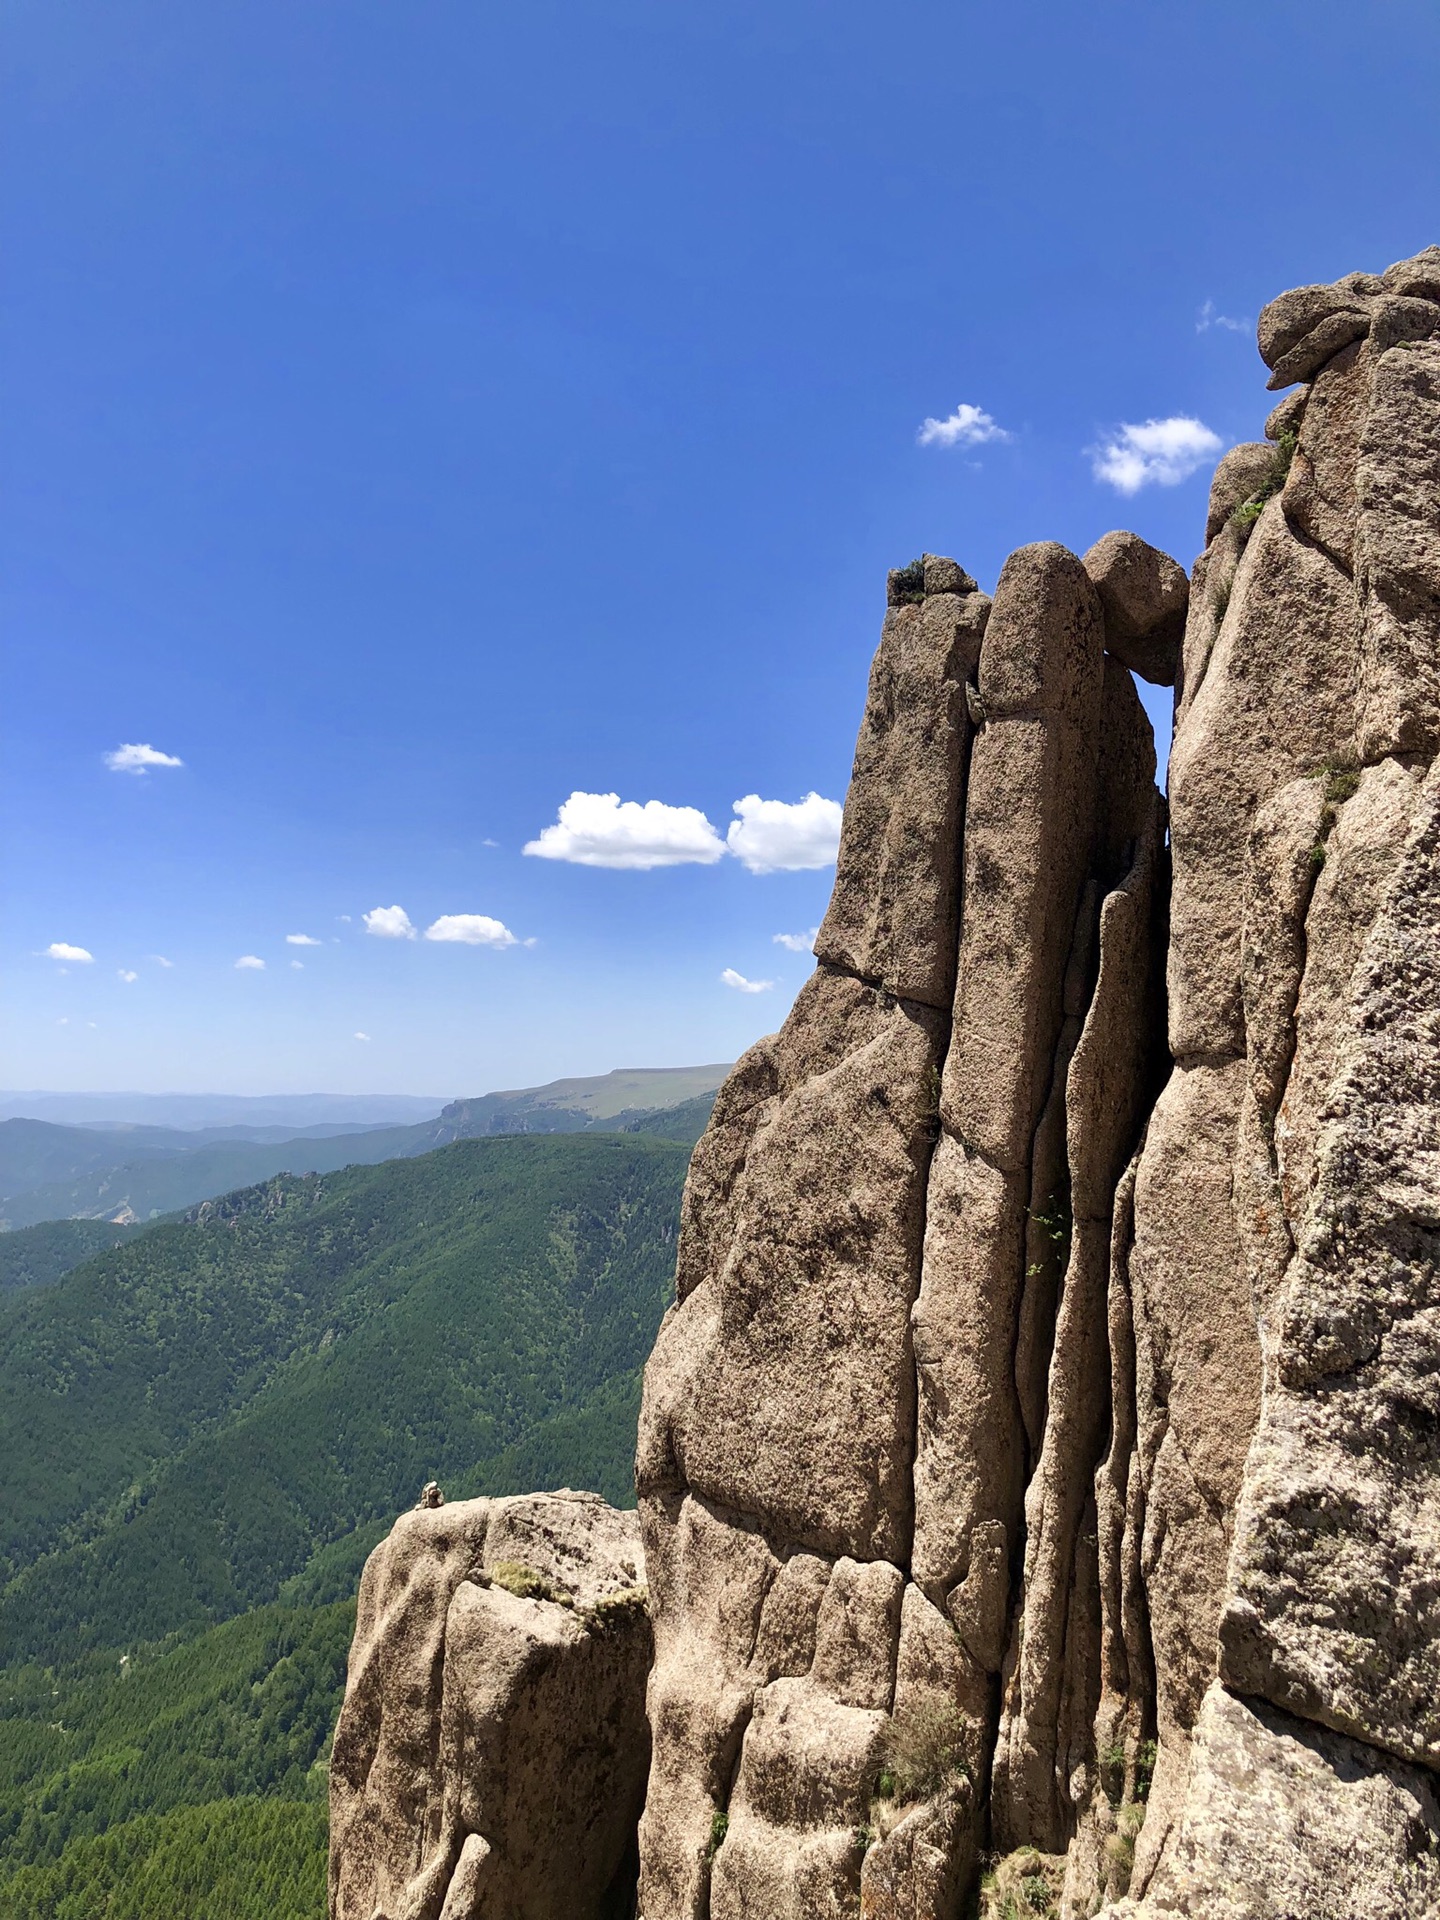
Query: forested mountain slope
x,y
213,1422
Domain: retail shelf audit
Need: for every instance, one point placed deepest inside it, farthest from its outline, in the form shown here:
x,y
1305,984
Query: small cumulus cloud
x,y
389,923
967,426
1156,453
62,950
362,1036
250,963
741,985
135,758
301,940
1208,317
489,843
776,836
127,974
470,930
797,942
297,966
602,830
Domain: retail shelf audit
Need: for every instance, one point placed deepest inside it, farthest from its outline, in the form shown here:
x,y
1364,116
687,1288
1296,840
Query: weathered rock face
x,y
490,1758
1039,1469
1051,1391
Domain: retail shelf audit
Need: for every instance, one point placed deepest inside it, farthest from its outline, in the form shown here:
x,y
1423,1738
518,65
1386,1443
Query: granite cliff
x,y
1039,1468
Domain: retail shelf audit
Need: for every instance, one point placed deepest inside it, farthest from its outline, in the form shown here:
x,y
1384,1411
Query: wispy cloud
x,y
301,940
1208,318
967,426
389,923
602,830
161,961
128,974
136,758
471,930
250,963
1156,453
742,985
62,950
776,836
797,942
297,966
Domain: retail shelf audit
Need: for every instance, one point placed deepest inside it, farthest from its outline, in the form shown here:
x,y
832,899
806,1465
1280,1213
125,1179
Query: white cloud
x,y
489,843
601,830
301,940
297,966
471,930
967,427
62,950
161,961
389,923
63,1021
797,942
742,985
1208,318
362,1036
1157,453
127,974
250,963
773,836
140,759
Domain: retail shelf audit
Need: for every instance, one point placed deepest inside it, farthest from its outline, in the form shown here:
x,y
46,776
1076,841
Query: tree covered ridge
x,y
202,1433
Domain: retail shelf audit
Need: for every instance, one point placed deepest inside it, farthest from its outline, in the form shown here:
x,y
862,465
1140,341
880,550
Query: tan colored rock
x,y
1277,700
1319,494
1144,595
491,1752
1397,555
1241,472
1283,1821
1029,818
1335,1607
1197,1373
1110,1075
710,1576
782,1386
810,1759
1294,318
892,915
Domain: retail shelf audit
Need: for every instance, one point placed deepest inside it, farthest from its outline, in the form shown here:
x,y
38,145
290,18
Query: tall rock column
x,y
1284,1270
777,1431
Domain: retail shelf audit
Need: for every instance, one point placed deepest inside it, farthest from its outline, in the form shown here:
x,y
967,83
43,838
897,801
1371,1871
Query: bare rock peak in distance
x,y
1039,1466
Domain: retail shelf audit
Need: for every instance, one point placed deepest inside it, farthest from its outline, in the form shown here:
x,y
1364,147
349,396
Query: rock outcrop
x,y
1039,1468
491,1753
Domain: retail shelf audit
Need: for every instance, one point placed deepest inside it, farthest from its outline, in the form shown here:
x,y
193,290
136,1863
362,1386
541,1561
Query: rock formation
x,y
491,1753
1039,1468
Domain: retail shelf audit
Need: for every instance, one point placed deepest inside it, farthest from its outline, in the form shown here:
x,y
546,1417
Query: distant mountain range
x,y
291,1112
136,1171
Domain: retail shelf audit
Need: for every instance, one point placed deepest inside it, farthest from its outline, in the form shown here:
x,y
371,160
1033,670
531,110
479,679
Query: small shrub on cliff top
x,y
908,583
924,1747
1249,511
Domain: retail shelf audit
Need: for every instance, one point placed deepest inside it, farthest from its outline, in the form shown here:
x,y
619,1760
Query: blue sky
x,y
418,414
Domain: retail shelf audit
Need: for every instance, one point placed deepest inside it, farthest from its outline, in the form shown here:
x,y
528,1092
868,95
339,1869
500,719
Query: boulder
x,y
491,1752
1144,594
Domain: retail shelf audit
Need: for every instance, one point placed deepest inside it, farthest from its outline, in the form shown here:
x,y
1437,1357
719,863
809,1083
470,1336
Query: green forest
x,y
204,1430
